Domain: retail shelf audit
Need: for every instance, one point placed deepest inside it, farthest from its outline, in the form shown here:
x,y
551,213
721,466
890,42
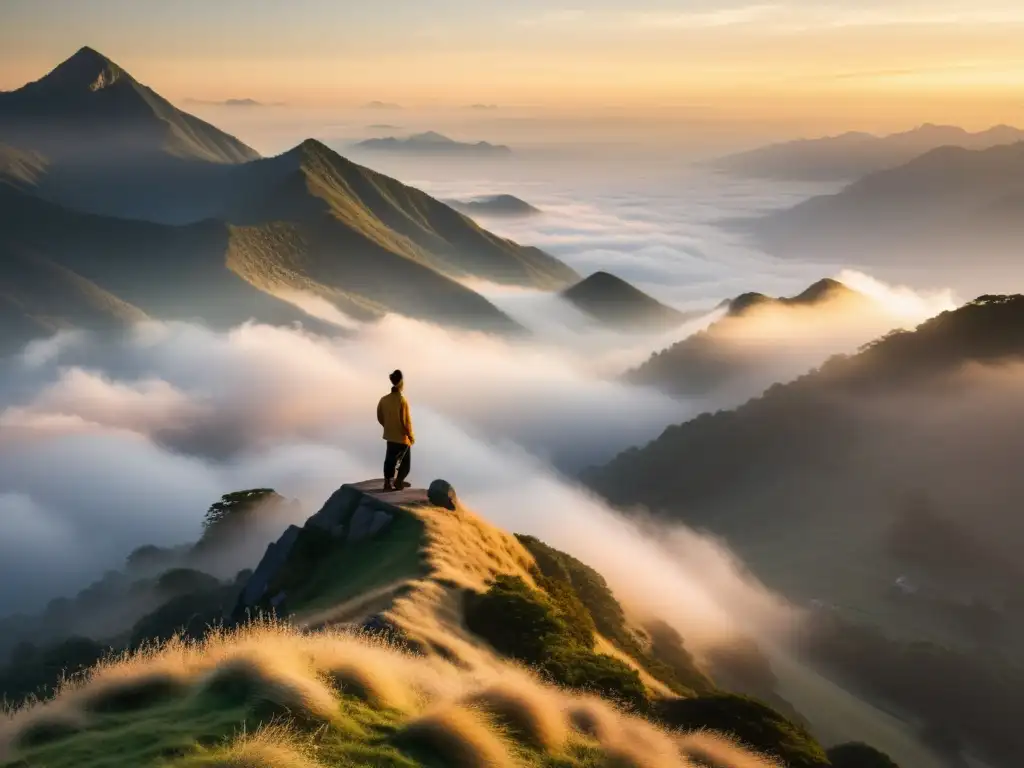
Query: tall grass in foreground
x,y
270,695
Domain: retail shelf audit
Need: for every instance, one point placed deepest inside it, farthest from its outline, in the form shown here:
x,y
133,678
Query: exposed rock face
x,y
367,521
273,560
336,509
353,513
442,494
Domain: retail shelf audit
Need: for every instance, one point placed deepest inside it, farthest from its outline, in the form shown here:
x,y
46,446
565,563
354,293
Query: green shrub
x,y
525,624
858,755
517,621
589,586
605,676
573,612
575,585
755,724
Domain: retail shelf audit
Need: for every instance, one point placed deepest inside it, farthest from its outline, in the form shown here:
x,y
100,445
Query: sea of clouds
x,y
114,442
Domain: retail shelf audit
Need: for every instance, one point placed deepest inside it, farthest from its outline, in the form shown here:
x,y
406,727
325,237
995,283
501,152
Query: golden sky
x,y
866,64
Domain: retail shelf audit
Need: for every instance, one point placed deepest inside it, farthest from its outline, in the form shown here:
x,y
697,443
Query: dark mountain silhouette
x,y
432,143
810,481
495,205
854,154
917,220
616,303
114,146
731,351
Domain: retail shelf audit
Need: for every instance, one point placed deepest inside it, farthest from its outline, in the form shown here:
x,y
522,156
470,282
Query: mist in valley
x,y
111,442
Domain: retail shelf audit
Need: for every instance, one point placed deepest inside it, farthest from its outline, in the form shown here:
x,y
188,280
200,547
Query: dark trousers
x,y
397,457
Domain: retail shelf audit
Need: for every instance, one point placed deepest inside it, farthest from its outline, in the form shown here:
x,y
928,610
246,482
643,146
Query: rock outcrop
x,y
353,514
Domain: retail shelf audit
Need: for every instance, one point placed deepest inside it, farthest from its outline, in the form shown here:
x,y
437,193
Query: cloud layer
x,y
110,443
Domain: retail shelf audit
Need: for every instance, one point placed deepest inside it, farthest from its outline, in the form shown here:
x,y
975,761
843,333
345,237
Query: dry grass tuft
x,y
113,692
596,720
273,687
455,737
527,712
374,686
368,668
270,747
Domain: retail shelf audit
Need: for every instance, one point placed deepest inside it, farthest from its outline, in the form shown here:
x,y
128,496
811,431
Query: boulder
x,y
442,494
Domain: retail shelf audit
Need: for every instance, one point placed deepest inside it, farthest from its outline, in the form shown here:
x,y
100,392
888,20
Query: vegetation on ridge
x,y
342,697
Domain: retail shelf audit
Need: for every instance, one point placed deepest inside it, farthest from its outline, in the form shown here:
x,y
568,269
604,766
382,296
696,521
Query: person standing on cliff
x,y
393,415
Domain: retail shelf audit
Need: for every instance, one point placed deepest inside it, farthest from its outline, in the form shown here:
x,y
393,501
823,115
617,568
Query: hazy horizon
x,y
715,76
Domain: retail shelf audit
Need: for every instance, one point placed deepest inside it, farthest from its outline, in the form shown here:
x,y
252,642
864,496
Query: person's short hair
x,y
396,377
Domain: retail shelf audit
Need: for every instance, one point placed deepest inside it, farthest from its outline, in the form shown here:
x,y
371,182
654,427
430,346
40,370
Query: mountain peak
x,y
310,150
613,301
313,145
825,288
87,68
604,279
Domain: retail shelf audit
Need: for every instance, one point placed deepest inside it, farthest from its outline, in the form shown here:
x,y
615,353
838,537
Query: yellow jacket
x,y
393,415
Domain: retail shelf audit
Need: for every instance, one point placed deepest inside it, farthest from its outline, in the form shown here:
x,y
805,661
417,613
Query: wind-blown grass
x,y
269,694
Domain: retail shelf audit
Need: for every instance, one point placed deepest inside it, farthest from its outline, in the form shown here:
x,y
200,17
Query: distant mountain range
x,y
615,303
306,222
852,155
495,205
952,214
433,143
753,343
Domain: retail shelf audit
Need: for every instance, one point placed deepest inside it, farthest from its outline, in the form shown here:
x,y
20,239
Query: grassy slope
x,y
38,297
20,168
329,700
352,218
167,272
341,699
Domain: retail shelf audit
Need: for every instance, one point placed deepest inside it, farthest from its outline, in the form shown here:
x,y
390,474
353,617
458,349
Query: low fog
x,y
109,443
